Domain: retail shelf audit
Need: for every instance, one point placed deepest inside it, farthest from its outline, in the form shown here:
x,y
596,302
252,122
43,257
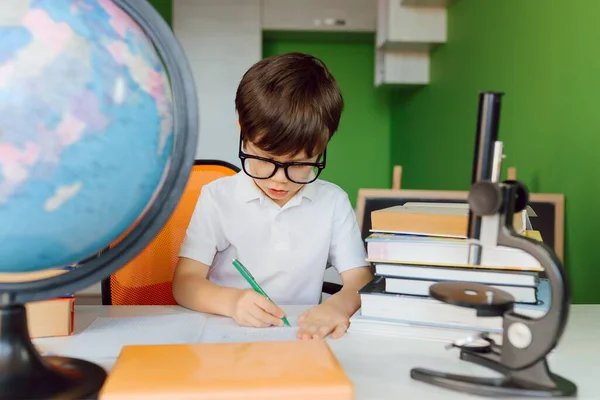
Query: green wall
x,y
358,155
542,54
164,8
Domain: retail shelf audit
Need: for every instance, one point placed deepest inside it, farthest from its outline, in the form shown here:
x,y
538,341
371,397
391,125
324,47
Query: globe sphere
x,y
98,130
86,129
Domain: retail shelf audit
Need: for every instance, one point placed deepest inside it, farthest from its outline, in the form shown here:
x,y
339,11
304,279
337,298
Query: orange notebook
x,y
301,369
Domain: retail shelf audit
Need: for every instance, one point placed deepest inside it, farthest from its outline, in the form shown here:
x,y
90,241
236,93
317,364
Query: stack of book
x,y
417,245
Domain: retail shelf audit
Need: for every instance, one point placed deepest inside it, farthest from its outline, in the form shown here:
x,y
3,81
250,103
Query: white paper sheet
x,y
247,334
222,329
105,337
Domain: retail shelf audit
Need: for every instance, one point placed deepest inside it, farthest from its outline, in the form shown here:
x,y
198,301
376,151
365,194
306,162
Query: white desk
x,y
380,366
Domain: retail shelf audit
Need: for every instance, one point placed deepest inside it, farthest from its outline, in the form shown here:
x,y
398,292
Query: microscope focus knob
x,y
519,335
485,198
521,195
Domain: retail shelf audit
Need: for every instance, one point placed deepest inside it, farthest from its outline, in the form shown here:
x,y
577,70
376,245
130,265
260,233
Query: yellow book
x,y
533,234
50,318
439,219
301,369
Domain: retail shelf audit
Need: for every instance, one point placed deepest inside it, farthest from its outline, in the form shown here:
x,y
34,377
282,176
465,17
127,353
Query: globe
x,y
98,130
86,122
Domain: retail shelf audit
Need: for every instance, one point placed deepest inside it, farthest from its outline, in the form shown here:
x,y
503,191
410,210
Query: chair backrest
x,y
147,279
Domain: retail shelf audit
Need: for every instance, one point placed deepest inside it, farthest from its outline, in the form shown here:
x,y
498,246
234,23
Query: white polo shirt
x,y
286,248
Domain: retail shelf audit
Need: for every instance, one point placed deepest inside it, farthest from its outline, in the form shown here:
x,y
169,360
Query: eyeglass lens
x,y
264,169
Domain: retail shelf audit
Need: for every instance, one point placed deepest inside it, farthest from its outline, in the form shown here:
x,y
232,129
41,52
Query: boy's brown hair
x,y
289,103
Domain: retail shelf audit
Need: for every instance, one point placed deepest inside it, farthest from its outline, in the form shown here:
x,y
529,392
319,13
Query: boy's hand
x,y
322,320
253,309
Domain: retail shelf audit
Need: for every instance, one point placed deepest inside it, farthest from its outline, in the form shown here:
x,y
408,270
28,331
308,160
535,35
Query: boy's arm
x,y
193,290
348,255
347,300
332,317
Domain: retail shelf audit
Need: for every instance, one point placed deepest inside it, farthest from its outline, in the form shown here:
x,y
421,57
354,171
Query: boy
x,y
275,216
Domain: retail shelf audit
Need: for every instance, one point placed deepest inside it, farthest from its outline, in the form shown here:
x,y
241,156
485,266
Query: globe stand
x,y
25,374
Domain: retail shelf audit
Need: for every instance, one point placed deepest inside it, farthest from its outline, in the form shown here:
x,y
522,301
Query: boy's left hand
x,y
322,320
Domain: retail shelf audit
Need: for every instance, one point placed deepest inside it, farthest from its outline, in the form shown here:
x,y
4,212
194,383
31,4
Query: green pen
x,y
250,279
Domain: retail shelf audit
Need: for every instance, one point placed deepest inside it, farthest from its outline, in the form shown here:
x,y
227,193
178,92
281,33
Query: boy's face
x,y
278,188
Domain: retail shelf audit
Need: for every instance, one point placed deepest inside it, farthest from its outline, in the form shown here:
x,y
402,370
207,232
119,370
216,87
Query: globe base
x,y
25,374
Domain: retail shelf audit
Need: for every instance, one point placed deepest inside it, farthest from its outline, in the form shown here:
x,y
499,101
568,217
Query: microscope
x,y
521,358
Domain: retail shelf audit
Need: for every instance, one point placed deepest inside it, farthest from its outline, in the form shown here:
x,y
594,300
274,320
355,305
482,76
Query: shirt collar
x,y
248,191
309,191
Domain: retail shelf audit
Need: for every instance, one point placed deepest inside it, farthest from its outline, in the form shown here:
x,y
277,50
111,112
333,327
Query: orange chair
x,y
146,280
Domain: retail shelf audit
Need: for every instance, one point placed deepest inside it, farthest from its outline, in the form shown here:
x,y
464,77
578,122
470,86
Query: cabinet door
x,y
410,24
319,15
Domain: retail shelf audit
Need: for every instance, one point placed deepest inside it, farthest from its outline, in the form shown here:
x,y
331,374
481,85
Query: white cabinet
x,y
410,27
407,30
401,67
319,15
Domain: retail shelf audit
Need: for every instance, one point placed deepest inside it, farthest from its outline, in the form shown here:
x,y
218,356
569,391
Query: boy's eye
x,y
259,168
300,172
263,164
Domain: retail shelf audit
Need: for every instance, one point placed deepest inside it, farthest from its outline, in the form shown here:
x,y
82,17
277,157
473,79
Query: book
x,y
407,249
32,276
427,311
391,328
51,318
436,219
533,234
46,318
469,273
420,287
300,369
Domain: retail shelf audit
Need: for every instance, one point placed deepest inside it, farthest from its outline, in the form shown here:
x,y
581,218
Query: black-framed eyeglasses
x,y
296,171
